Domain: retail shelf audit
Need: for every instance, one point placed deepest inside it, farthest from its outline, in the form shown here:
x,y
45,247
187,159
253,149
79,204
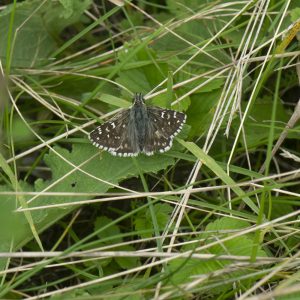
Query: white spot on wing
x,y
149,153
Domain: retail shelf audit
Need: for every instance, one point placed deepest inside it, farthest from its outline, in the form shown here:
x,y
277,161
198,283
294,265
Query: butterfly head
x,y
138,99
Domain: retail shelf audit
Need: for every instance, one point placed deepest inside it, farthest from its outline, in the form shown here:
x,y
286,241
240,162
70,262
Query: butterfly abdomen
x,y
140,123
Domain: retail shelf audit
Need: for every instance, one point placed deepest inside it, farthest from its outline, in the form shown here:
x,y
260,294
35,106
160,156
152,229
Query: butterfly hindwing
x,y
165,124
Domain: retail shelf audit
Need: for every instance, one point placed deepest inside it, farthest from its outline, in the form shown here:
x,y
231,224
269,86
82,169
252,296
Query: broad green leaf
x,y
143,221
127,263
295,14
20,132
17,200
201,111
160,100
135,80
257,125
135,17
63,13
216,84
142,78
36,27
241,245
13,226
186,269
103,166
111,232
31,43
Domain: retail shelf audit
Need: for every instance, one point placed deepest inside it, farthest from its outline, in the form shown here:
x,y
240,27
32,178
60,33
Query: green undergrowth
x,y
221,210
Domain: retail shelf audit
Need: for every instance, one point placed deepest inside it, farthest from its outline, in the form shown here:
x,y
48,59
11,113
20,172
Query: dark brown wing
x,y
164,125
115,135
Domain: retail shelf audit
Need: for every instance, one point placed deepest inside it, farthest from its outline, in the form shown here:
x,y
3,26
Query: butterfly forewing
x,y
110,134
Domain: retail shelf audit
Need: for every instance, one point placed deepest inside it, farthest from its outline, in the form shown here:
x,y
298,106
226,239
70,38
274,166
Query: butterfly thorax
x,y
139,121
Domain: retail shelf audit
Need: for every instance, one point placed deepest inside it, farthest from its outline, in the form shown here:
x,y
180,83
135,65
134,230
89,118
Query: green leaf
x,y
216,84
21,132
136,19
111,232
183,104
13,226
31,43
143,220
184,6
128,291
127,263
36,26
107,168
103,166
11,205
135,80
185,269
161,100
257,125
148,72
63,13
241,245
116,101
293,295
295,14
201,111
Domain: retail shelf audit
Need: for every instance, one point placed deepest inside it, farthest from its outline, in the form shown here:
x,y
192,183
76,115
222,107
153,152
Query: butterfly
x,y
139,129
